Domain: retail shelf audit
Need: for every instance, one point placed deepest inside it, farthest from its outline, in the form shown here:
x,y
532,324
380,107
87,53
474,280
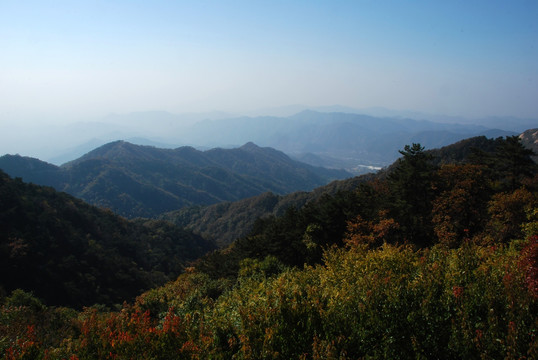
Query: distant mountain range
x,y
143,181
337,140
333,136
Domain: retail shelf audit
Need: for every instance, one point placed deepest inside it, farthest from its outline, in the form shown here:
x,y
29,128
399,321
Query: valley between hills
x,y
134,251
268,180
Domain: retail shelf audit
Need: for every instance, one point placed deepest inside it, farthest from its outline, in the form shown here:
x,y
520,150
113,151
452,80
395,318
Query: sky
x,y
72,60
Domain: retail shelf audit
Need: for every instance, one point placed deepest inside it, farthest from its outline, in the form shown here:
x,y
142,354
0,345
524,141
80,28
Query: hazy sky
x,y
80,59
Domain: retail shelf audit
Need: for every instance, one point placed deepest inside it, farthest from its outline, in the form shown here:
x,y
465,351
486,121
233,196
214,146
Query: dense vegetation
x,y
432,260
224,222
418,203
70,253
144,181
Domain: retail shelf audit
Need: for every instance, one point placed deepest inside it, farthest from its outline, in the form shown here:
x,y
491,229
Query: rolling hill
x,y
143,181
227,221
348,275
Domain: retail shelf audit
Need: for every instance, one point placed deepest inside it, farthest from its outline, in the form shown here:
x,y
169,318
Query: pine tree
x,y
513,162
411,186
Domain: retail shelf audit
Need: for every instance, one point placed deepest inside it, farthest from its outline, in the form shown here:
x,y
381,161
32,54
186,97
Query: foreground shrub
x,y
391,302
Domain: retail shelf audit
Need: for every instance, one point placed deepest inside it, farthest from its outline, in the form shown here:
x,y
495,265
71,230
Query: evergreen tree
x,y
513,162
412,192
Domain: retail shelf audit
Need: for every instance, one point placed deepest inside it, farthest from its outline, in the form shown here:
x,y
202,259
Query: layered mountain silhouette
x,y
332,137
143,181
336,139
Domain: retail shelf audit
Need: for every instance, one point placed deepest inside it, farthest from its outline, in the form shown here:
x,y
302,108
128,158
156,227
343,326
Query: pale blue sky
x,y
69,60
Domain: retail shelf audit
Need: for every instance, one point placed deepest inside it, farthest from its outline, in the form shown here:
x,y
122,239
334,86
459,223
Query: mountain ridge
x,y
228,221
135,180
359,138
62,143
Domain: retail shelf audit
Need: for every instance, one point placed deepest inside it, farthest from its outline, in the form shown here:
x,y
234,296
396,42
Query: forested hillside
x,y
437,258
70,253
227,221
485,197
144,181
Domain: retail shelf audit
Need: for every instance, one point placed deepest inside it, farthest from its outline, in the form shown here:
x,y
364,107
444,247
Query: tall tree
x,y
411,185
513,162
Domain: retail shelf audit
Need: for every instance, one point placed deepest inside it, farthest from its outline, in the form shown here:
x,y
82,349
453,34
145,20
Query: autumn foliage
x,y
348,277
391,302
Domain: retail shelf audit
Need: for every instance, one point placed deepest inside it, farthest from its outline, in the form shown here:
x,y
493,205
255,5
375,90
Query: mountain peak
x,y
111,146
250,146
115,150
269,152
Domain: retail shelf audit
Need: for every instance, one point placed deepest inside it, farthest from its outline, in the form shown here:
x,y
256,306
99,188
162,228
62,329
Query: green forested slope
x,y
70,253
224,222
418,202
143,181
432,261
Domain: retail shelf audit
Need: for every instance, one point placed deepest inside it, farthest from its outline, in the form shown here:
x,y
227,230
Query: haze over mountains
x,y
336,136
145,181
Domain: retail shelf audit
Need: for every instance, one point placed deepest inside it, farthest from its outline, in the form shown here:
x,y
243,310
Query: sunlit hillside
x,y
434,259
